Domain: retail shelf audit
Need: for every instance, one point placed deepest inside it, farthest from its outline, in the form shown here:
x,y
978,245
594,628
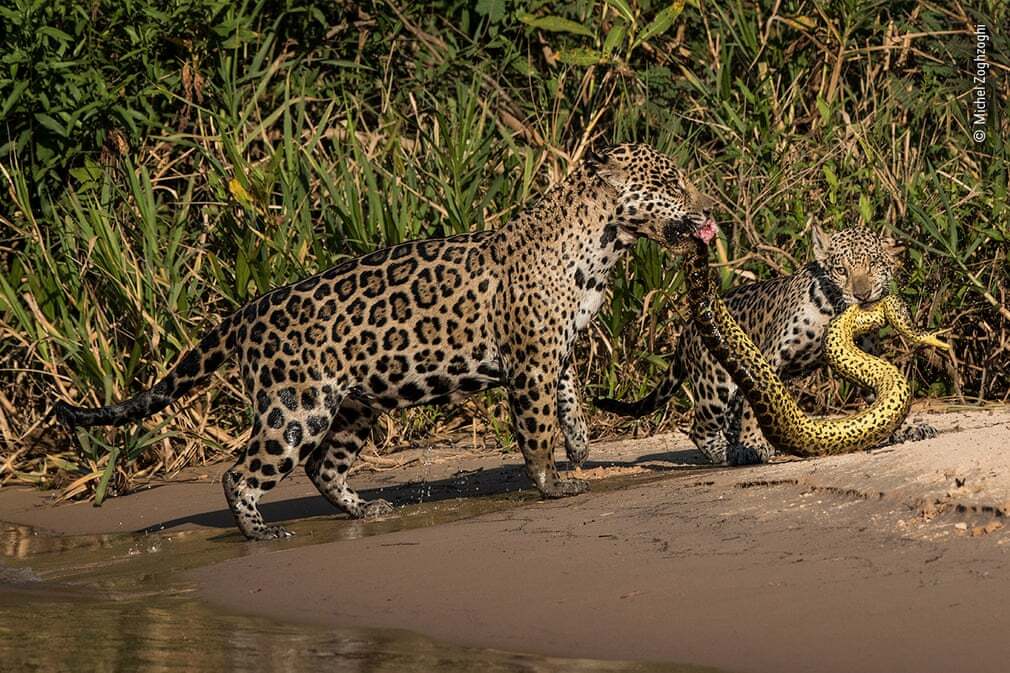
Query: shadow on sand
x,y
482,482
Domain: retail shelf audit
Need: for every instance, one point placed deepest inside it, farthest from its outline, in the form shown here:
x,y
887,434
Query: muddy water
x,y
120,603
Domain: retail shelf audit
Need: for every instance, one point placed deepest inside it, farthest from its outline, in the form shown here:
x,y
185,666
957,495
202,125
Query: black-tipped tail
x,y
67,414
194,369
652,402
143,405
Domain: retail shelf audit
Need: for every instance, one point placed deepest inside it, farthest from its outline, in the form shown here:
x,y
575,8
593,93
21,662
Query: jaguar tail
x,y
193,369
655,400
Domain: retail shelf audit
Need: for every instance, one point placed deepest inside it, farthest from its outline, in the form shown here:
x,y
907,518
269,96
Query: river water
x,y
121,603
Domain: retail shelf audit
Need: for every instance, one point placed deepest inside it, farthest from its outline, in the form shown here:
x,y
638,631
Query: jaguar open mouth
x,y
864,303
679,234
707,231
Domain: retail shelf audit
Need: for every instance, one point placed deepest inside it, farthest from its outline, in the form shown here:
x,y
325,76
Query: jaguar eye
x,y
841,270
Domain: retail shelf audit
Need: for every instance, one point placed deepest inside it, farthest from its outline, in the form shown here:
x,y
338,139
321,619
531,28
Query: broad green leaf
x,y
556,24
56,33
50,123
830,176
823,109
865,209
494,10
580,56
615,38
661,23
87,174
12,98
523,66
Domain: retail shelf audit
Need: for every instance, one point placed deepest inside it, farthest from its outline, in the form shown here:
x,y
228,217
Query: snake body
x,y
782,421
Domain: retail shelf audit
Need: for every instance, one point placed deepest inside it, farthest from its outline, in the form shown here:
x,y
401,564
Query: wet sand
x,y
892,560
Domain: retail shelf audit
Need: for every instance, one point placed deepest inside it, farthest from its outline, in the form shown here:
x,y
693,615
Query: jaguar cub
x,y
787,318
426,322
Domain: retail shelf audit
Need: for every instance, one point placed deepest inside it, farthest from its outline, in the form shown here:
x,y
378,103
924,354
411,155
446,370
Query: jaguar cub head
x,y
654,199
860,262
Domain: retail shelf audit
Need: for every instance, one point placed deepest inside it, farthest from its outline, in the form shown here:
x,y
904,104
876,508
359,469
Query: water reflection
x,y
49,631
117,603
21,542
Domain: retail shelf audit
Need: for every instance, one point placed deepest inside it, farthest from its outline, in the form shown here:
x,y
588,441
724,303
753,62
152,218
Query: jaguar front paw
x,y
264,533
577,455
563,488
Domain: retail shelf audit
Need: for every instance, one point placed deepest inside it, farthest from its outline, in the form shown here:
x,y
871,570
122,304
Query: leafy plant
x,y
166,161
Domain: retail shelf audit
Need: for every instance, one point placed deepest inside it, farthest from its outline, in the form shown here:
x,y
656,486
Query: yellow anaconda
x,y
781,420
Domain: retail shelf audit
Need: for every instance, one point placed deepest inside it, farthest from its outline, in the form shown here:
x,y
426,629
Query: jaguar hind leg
x,y
328,465
708,431
287,429
260,468
243,493
747,444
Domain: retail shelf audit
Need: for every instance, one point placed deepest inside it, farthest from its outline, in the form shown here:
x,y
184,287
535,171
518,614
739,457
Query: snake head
x,y
679,236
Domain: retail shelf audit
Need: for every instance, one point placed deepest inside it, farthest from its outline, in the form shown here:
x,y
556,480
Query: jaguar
x,y
426,322
787,318
784,424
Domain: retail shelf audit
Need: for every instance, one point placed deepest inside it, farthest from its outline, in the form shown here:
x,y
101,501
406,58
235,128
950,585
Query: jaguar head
x,y
654,198
858,261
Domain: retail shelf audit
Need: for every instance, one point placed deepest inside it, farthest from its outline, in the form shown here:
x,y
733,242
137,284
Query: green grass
x,y
162,166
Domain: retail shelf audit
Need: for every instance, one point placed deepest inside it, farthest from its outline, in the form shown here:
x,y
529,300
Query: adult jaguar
x,y
787,318
430,321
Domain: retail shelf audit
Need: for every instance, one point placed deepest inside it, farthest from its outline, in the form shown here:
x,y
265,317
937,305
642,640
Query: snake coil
x,y
781,420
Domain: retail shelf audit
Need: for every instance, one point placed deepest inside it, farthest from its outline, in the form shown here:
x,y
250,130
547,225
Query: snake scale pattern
x,y
784,424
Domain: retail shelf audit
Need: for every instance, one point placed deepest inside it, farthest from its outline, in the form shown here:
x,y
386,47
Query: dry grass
x,y
308,139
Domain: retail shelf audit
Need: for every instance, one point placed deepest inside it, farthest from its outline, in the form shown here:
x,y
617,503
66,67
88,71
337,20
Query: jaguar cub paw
x,y
562,488
913,433
270,533
376,508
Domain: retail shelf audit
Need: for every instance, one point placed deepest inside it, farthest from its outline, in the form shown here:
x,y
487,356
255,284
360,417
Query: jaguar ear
x,y
606,165
892,247
820,240
697,199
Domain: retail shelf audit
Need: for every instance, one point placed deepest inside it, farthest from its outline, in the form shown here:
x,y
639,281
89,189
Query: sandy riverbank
x,y
893,560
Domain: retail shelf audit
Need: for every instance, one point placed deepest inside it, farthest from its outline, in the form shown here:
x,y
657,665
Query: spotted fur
x,y
781,420
787,318
427,322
